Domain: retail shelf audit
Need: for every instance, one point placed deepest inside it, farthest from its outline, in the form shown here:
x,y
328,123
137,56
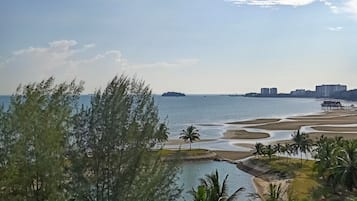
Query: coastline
x,y
331,124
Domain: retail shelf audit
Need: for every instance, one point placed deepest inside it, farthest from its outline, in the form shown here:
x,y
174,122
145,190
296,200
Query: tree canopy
x,y
52,149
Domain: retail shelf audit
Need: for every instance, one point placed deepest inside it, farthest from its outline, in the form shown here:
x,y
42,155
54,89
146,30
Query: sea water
x,y
209,112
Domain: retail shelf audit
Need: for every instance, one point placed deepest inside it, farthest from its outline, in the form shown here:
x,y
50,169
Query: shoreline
x,y
328,123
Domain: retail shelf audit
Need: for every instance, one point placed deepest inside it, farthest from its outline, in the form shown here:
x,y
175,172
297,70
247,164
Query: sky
x,y
190,46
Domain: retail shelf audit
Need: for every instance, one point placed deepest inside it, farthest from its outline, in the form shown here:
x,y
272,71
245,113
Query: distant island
x,y
175,94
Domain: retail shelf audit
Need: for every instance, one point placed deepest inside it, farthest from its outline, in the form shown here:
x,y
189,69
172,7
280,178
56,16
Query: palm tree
x,y
279,148
301,143
211,190
324,155
345,169
269,150
191,134
258,149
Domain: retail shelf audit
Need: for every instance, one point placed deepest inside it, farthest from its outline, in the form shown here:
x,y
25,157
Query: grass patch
x,y
305,181
304,178
193,152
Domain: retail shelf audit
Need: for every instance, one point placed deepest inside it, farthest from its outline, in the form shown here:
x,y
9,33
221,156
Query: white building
x,y
324,91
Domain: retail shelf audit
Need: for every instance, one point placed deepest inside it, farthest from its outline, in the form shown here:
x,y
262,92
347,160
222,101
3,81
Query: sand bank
x,y
296,124
256,121
243,134
347,136
336,129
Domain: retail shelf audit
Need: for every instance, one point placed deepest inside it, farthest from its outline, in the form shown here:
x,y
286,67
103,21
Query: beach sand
x,y
256,121
262,186
298,122
336,129
243,134
346,136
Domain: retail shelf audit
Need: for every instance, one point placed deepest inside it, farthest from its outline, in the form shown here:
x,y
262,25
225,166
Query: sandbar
x,y
243,134
346,136
256,121
336,129
294,125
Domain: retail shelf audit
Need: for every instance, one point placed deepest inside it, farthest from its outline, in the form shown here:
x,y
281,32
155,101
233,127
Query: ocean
x,y
210,112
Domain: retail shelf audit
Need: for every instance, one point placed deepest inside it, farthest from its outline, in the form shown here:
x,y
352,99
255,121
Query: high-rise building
x,y
264,91
325,91
273,91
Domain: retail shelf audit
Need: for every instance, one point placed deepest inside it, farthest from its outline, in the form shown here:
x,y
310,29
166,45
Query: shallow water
x,y
192,171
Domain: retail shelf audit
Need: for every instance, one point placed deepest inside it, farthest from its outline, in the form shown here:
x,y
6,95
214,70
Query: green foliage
x,y
337,162
275,193
191,134
301,143
34,131
269,150
112,147
210,189
258,149
52,150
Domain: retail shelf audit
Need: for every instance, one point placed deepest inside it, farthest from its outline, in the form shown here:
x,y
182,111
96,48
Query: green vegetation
x,y
50,149
210,189
275,193
191,134
301,144
336,164
332,175
192,152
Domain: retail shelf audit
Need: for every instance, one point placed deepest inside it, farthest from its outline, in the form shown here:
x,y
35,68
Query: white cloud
x,y
350,7
336,6
272,2
335,28
65,60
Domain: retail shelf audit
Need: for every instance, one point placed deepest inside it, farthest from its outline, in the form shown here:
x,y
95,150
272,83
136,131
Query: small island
x,y
175,94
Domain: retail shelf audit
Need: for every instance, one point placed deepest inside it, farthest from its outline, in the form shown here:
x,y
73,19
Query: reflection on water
x,y
193,171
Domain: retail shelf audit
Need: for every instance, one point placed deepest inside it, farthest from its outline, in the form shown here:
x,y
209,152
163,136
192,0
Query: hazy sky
x,y
191,46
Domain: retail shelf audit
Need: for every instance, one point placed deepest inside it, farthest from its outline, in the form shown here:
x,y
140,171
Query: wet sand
x,y
336,129
346,136
243,134
256,121
296,124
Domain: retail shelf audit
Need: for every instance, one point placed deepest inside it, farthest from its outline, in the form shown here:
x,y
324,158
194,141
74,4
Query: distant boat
x,y
175,94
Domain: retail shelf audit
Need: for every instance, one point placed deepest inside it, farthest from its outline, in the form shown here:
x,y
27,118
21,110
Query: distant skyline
x,y
190,46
